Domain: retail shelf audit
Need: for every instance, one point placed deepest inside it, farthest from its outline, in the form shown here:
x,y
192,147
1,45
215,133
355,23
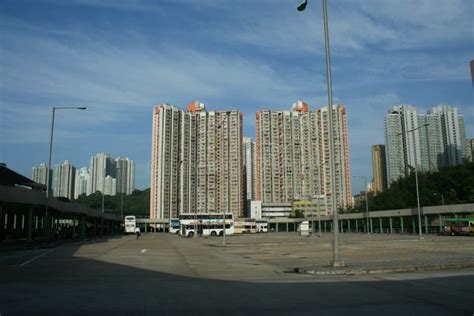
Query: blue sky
x,y
120,58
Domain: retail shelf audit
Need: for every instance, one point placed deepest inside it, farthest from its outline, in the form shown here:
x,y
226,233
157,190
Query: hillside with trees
x,y
451,185
137,203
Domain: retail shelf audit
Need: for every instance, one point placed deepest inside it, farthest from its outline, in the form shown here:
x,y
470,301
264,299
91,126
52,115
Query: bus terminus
x,y
130,224
206,224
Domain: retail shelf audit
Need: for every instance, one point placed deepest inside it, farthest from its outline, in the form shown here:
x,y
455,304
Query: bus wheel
x,y
213,234
248,232
190,234
177,232
221,233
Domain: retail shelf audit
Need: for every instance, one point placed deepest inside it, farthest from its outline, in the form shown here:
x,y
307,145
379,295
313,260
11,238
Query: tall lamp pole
x,y
336,257
48,188
222,168
366,203
420,234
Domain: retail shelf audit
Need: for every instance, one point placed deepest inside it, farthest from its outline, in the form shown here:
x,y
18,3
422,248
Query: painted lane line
x,y
143,251
37,257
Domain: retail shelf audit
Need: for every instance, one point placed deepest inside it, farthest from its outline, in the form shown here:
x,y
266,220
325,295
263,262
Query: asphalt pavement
x,y
164,274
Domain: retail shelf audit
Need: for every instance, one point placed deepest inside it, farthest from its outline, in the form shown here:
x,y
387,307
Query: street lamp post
x,y
420,234
336,257
48,188
103,203
222,168
366,202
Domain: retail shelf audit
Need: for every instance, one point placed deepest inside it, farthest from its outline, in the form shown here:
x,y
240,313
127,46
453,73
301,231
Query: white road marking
x,y
143,251
37,257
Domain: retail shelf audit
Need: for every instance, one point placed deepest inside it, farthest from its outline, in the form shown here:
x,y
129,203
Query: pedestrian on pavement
x,y
137,232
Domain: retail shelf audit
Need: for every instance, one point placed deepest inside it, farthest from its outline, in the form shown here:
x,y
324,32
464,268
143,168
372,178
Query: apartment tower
x,y
83,184
196,163
125,175
426,142
65,180
39,174
249,171
292,155
102,165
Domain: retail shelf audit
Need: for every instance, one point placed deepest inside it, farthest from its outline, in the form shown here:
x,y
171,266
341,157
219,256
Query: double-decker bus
x,y
205,224
458,226
130,224
174,226
245,226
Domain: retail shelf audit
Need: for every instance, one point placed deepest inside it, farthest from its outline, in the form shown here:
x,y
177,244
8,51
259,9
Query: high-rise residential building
x,y
102,165
39,174
125,175
65,180
403,148
292,156
249,171
196,163
110,186
453,134
379,169
165,162
83,183
426,142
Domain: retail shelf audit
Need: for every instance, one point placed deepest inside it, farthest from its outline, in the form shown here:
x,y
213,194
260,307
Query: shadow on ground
x,y
67,285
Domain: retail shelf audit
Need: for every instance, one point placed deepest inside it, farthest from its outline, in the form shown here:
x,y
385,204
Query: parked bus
x,y
174,226
262,225
245,226
205,224
130,224
459,226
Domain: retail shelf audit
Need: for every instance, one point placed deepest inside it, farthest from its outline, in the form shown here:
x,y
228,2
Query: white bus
x,y
245,226
206,224
174,226
130,224
262,225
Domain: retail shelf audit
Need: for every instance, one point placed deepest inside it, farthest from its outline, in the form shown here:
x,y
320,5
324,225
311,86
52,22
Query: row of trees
x,y
450,185
137,203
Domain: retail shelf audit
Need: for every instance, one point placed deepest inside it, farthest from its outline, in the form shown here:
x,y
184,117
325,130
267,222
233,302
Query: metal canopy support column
x,y
286,226
413,224
83,226
74,228
324,226
426,224
401,224
371,226
391,225
440,222
349,225
357,226
380,225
